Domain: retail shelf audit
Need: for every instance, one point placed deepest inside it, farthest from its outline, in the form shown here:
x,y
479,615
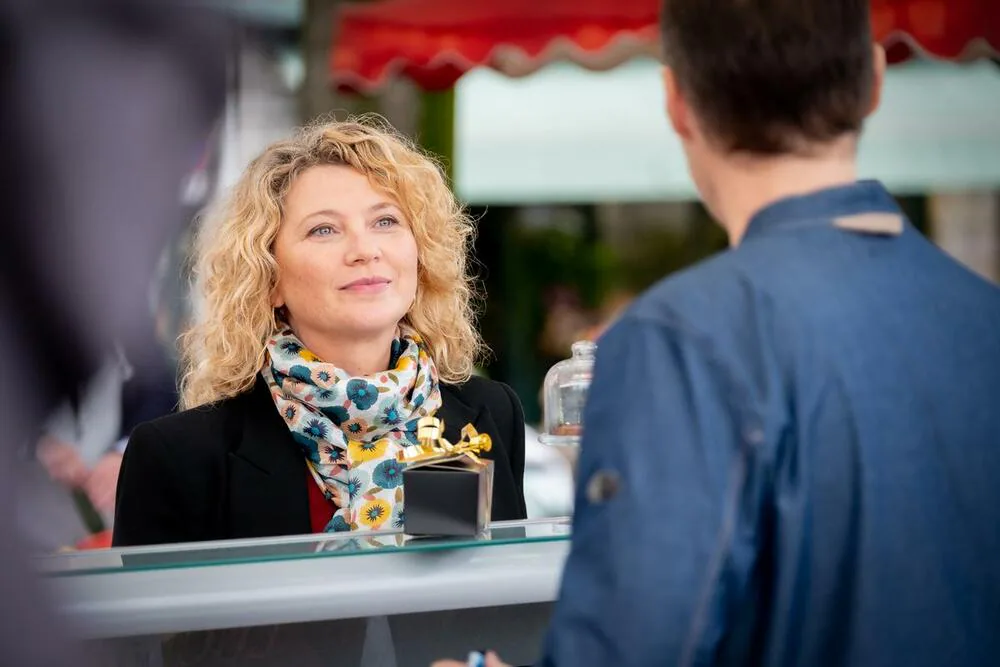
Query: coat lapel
x,y
268,492
456,414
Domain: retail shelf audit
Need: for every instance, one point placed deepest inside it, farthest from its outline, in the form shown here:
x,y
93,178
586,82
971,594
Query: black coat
x,y
231,469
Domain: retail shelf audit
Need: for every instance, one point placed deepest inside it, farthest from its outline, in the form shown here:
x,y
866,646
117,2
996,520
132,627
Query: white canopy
x,y
568,135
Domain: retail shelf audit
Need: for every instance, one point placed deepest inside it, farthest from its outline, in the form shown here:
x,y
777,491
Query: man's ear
x,y
678,110
878,78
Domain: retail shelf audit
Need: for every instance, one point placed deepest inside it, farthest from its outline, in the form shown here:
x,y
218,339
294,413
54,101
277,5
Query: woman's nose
x,y
363,247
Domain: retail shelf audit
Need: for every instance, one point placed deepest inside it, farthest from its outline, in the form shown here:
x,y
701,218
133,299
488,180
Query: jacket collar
x,y
822,208
268,493
456,413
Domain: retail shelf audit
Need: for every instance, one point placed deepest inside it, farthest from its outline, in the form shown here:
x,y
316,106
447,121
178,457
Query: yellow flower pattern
x,y
374,513
309,356
359,451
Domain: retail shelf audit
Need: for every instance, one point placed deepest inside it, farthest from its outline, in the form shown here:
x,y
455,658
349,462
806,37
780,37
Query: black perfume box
x,y
450,498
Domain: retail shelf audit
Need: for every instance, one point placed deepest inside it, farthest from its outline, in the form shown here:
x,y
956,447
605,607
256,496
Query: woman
x,y
336,312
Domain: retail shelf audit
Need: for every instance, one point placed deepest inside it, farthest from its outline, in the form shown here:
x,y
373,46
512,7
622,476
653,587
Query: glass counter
x,y
229,552
383,598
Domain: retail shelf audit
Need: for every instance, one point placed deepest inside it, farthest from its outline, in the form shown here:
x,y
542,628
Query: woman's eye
x,y
321,230
386,222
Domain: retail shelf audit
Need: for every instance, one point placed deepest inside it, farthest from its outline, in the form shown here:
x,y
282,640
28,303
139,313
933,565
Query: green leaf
x,y
383,390
399,494
393,377
374,490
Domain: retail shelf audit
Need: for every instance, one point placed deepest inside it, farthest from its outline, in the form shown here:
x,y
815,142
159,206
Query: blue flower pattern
x,y
391,416
362,393
291,348
338,414
300,373
338,525
356,485
388,474
316,429
308,446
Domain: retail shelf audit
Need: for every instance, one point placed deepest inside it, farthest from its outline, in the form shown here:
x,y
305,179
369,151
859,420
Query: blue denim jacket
x,y
792,457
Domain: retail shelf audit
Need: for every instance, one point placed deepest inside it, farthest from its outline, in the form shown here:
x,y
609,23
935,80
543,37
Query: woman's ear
x,y
275,297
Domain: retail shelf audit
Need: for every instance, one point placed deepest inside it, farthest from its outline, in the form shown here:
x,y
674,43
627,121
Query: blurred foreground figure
x,y
103,105
790,451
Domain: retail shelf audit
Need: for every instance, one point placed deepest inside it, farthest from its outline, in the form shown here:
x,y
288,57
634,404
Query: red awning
x,y
434,42
950,29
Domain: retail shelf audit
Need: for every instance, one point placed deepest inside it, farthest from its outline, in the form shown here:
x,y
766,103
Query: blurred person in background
x,y
337,311
79,448
102,104
69,494
790,452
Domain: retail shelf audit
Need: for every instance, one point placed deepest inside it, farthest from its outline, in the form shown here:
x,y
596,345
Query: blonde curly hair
x,y
235,269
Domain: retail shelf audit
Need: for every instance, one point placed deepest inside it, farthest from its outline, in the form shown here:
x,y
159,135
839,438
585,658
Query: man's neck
x,y
745,185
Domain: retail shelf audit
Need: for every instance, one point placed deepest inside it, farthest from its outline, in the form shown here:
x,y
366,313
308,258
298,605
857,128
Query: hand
x,y
492,660
102,483
62,461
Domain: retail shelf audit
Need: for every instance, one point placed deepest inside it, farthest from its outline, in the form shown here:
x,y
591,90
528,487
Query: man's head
x,y
767,78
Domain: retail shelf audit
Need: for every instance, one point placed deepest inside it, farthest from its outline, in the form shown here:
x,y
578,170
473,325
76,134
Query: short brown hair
x,y
771,76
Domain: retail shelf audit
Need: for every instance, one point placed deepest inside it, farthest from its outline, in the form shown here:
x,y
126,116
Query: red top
x,y
320,509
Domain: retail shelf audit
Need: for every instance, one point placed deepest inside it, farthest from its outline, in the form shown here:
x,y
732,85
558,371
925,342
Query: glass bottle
x,y
564,395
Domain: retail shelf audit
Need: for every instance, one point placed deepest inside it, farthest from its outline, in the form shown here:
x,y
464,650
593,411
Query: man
x,y
791,451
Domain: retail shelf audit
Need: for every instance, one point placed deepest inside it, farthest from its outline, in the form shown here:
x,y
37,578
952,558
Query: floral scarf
x,y
350,428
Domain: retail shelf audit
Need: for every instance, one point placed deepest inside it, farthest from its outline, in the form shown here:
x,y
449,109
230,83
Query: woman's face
x,y
347,258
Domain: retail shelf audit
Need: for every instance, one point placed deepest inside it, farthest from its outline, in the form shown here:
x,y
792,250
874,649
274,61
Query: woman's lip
x,y
366,281
366,288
